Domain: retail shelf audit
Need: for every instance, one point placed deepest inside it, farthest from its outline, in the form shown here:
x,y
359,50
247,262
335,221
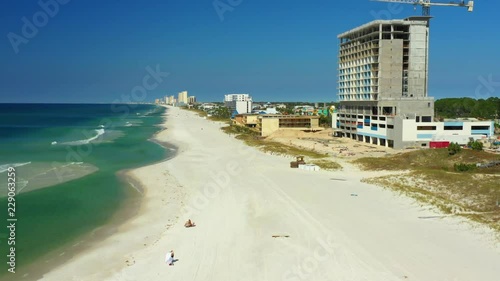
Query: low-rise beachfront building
x,y
400,132
270,123
303,109
247,120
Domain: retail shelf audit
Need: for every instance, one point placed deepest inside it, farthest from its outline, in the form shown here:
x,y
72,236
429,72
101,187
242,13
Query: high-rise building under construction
x,y
383,70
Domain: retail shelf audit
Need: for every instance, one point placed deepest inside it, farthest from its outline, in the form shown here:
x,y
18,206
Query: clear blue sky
x,y
97,51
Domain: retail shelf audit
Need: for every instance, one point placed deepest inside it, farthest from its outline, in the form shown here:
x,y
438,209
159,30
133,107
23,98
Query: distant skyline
x,y
284,50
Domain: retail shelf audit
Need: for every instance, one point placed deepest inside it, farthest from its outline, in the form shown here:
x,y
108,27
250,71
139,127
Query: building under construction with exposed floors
x,y
383,87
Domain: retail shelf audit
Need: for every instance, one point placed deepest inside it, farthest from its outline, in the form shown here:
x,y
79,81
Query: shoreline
x,y
123,224
256,214
134,192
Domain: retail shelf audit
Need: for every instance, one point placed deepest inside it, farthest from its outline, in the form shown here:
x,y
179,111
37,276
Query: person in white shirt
x,y
169,258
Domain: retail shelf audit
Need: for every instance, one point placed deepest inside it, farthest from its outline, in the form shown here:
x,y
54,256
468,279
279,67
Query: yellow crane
x,y
426,4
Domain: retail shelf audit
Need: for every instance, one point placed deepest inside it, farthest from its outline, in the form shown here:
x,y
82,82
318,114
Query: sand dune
x,y
326,225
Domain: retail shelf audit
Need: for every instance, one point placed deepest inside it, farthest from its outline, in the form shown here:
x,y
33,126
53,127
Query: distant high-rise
x,y
242,103
171,100
191,99
183,97
237,97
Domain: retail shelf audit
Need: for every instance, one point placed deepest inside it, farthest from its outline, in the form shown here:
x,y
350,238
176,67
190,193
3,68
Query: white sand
x,y
240,197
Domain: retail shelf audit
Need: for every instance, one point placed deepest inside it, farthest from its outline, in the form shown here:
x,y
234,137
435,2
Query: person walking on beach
x,y
169,258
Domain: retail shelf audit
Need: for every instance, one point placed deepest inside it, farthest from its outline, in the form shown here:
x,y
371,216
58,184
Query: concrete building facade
x,y
191,99
383,86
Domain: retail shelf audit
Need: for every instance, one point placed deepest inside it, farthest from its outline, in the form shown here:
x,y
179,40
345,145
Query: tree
x,y
454,148
475,145
325,121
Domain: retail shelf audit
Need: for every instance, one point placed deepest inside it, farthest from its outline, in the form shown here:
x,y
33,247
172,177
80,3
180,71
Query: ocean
x,y
66,159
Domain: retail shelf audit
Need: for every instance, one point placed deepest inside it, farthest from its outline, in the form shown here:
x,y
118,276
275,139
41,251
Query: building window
x,y
426,128
427,119
453,128
390,126
381,126
480,128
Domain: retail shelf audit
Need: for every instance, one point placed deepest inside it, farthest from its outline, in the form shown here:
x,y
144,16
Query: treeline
x,y
468,107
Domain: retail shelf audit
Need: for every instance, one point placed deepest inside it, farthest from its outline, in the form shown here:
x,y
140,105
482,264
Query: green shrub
x,y
475,145
454,148
461,167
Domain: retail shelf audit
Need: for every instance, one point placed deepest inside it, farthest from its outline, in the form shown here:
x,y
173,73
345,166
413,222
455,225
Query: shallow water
x,y
67,157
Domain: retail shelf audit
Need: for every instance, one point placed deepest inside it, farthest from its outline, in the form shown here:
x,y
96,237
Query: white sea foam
x,y
53,143
5,167
99,132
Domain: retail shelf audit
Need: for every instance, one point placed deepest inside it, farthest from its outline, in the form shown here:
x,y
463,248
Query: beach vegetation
x,y
454,148
461,167
251,137
327,164
467,107
453,183
475,145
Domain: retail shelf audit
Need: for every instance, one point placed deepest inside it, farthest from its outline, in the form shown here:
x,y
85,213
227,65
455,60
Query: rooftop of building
x,y
420,20
471,119
289,116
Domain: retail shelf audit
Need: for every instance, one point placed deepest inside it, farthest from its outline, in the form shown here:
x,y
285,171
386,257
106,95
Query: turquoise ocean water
x,y
66,158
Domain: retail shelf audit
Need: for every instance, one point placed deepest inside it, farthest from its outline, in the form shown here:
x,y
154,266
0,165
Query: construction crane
x,y
426,4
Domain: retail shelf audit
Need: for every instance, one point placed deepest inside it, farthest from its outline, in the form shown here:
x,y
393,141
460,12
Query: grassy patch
x,y
450,182
252,138
198,111
327,165
202,113
464,194
434,159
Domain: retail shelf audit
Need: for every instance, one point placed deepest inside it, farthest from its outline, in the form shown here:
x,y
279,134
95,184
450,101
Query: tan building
x,y
191,99
183,97
269,124
248,120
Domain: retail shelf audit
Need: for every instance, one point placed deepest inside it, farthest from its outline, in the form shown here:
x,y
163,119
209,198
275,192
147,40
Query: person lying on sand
x,y
189,223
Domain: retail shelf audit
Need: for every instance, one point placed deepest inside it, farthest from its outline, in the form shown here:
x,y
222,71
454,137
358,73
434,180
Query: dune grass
x,y
432,179
252,138
429,159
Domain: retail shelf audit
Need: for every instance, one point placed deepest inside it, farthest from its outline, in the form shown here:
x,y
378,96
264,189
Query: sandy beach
x,y
257,219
